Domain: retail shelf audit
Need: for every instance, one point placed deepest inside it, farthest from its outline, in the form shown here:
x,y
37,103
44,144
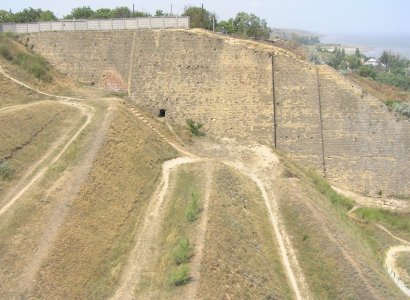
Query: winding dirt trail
x,y
139,258
142,255
34,174
393,251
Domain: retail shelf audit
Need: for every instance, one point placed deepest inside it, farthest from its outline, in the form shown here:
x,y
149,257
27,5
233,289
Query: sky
x,y
319,16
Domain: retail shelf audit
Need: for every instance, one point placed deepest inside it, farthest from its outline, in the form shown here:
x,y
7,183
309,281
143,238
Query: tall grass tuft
x,y
182,252
6,171
179,275
325,189
193,209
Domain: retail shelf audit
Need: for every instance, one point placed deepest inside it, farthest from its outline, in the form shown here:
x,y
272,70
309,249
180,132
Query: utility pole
x,y
203,17
213,24
171,10
133,10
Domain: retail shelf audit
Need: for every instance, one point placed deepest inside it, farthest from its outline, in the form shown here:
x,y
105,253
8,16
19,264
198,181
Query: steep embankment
x,y
247,90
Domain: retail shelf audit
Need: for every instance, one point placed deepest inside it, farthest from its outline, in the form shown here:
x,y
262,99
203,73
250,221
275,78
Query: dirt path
x,y
195,265
143,254
34,174
261,157
68,187
391,254
383,203
289,260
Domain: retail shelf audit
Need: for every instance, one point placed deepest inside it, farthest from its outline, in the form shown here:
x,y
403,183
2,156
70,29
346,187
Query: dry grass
x,y
176,229
241,259
26,134
403,262
340,259
384,92
93,243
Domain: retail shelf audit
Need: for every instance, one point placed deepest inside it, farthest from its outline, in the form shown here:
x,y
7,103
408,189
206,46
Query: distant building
x,y
374,63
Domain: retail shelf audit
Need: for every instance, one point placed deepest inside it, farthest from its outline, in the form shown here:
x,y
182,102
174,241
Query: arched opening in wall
x,y
162,113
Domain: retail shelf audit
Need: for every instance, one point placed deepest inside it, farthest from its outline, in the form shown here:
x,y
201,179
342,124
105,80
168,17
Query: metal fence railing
x,y
98,24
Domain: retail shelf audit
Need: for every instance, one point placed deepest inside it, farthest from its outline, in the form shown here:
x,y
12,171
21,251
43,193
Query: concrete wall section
x,y
366,147
298,131
225,86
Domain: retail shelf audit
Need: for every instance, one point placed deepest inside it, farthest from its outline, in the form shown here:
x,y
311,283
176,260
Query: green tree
x,y
140,14
226,26
27,15
160,13
357,52
47,15
199,18
121,12
102,13
251,26
84,12
6,17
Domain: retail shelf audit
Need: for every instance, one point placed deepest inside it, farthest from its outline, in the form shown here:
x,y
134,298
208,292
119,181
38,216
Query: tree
x,y
226,26
160,13
357,52
84,12
199,17
6,17
27,15
251,25
140,14
121,12
47,15
102,13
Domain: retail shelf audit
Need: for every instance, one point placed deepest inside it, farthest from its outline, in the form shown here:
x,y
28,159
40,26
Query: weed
x,y
325,189
193,209
182,252
179,275
195,127
305,237
6,171
5,52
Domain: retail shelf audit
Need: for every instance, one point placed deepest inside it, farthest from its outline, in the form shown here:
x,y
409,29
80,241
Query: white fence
x,y
101,24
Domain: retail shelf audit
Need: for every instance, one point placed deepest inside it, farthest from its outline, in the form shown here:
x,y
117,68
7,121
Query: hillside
x,y
100,198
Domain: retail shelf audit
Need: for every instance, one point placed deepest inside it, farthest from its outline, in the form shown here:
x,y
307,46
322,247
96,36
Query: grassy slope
x,y
27,133
87,257
241,259
324,235
186,186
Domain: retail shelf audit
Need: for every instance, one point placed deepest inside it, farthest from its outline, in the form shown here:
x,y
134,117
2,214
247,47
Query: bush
x,y
396,220
397,80
180,275
366,71
182,252
193,208
6,172
194,127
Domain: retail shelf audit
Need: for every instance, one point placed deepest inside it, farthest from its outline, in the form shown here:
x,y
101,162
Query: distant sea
x,y
373,44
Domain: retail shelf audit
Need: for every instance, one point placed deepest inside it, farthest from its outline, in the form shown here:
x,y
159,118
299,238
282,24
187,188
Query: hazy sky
x,y
323,16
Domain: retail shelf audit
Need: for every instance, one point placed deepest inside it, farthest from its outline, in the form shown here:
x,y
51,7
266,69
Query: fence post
x,y
99,24
86,24
112,25
177,21
39,29
137,23
163,22
150,22
123,20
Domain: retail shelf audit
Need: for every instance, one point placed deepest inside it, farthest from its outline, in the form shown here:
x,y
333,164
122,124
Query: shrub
x,y
367,71
180,275
34,64
193,208
6,172
194,127
182,252
395,220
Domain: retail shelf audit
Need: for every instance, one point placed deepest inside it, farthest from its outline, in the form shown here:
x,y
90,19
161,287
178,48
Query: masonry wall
x,y
239,89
